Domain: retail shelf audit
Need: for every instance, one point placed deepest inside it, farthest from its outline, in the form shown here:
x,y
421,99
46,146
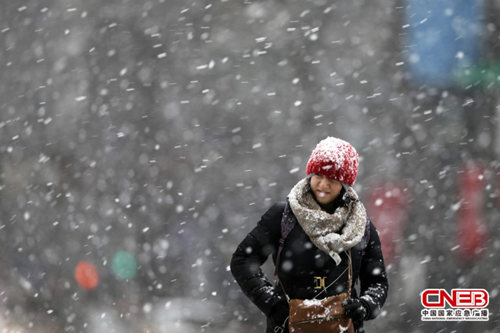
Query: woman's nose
x,y
324,183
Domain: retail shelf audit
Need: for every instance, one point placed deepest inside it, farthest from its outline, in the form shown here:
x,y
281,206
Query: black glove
x,y
355,309
279,313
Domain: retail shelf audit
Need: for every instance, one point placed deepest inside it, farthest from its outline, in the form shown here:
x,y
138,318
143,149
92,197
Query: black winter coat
x,y
301,264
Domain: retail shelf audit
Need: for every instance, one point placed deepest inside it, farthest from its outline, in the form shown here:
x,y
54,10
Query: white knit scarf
x,y
323,228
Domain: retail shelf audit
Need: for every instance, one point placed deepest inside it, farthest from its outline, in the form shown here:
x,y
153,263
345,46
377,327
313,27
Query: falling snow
x,y
162,130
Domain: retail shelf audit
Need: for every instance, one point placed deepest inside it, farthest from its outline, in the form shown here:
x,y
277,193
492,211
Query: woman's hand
x,y
279,314
355,309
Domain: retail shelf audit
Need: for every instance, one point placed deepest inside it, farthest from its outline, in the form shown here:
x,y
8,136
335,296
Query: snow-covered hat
x,y
335,159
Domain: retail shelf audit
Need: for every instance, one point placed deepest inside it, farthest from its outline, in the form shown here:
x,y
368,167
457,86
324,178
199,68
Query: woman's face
x,y
325,190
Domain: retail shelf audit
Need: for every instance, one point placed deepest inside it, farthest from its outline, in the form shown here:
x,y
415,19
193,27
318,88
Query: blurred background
x,y
140,141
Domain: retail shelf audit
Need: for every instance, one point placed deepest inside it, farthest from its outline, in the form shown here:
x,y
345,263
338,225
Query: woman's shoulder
x,y
366,235
275,210
272,217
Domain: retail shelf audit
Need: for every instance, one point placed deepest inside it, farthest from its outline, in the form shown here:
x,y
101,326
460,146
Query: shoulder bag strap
x,y
287,224
349,277
349,274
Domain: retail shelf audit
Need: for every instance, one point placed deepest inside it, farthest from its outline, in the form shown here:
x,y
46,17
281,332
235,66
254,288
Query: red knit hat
x,y
335,159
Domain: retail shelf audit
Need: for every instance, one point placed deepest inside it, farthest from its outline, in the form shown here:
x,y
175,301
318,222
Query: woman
x,y
327,222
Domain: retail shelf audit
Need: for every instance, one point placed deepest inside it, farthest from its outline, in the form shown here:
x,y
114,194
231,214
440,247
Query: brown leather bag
x,y
320,315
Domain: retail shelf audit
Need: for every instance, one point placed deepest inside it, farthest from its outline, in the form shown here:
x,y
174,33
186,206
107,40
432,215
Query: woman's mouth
x,y
322,194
